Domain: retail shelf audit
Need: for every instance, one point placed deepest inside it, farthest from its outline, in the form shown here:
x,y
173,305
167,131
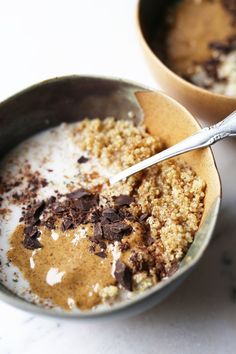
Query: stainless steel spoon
x,y
205,137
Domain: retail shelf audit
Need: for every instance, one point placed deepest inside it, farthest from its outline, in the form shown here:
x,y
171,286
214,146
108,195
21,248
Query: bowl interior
x,y
151,28
152,16
71,99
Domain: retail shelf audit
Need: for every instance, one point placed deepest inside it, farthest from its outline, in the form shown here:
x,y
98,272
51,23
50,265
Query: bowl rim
x,y
177,77
22,304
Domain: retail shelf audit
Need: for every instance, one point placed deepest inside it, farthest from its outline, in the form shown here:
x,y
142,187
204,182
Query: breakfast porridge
x,y
71,240
201,43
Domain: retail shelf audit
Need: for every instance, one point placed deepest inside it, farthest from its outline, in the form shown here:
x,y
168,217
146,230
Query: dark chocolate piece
x,y
144,217
123,200
67,224
31,231
123,275
82,159
116,231
97,231
101,254
111,215
31,243
83,199
79,193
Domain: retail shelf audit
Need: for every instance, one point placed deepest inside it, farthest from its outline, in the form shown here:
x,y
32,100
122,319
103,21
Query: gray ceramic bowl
x,y
72,98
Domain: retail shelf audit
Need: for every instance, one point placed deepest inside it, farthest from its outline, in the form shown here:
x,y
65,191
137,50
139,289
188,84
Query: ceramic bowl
x,y
202,103
72,98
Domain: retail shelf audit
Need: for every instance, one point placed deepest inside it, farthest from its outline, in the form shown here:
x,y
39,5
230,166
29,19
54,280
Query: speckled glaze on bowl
x,y
202,103
71,98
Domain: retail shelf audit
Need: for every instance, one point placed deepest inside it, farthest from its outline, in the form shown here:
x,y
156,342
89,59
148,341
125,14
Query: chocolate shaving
x,y
123,200
82,159
123,275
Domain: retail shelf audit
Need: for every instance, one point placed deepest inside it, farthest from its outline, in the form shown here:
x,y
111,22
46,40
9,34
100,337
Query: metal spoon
x,y
205,137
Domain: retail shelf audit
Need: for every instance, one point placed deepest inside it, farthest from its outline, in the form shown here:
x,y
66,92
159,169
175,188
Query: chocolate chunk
x,y
67,223
111,215
125,214
82,159
79,193
123,275
160,271
32,215
95,216
97,231
38,209
31,231
31,243
123,200
83,199
101,254
144,217
85,204
102,245
60,209
116,231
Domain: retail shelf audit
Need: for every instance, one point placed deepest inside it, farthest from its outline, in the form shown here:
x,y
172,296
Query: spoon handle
x,y
203,138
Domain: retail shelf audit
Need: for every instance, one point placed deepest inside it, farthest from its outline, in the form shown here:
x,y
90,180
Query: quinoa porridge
x,y
68,239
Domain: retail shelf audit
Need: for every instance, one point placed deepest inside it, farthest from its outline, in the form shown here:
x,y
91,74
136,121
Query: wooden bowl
x,y
201,102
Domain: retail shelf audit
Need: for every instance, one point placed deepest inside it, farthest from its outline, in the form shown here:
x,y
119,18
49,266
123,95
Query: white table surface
x,y
51,38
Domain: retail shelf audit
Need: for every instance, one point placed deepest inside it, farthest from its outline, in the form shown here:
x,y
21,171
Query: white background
x,y
44,39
